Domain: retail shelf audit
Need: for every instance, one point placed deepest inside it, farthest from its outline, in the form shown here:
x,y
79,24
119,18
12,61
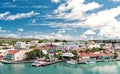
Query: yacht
x,y
38,63
90,61
71,62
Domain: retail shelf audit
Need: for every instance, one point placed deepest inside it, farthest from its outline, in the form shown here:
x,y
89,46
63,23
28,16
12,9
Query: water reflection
x,y
98,68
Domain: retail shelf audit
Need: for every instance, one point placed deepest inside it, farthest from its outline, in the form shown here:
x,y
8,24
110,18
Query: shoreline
x,y
52,62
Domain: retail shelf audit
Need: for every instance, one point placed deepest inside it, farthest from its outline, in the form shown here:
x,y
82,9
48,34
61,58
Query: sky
x,y
60,19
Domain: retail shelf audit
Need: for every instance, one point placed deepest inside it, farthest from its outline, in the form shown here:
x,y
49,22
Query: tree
x,y
74,52
56,40
34,54
95,49
40,41
86,50
32,47
57,55
64,41
101,49
47,56
116,55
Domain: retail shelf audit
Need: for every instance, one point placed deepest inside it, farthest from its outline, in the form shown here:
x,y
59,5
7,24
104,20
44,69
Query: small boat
x,y
38,63
90,61
71,62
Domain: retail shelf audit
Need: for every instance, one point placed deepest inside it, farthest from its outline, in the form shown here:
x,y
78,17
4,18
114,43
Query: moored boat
x,y
38,63
6,62
90,61
71,62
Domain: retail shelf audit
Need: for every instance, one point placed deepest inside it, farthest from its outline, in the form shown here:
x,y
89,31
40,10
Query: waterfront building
x,y
16,55
96,55
12,55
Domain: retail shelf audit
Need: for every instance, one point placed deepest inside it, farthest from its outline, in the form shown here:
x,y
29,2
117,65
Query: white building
x,y
16,55
93,46
3,52
20,45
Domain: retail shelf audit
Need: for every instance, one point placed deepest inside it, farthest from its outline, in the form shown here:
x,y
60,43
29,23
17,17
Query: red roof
x,y
90,54
82,54
101,54
110,54
13,51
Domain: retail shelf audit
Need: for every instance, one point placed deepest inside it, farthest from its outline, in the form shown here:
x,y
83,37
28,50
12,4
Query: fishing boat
x,y
38,63
71,62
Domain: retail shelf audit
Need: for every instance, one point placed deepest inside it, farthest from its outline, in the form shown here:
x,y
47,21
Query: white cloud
x,y
1,30
62,36
20,29
89,32
11,35
116,0
33,21
76,8
21,15
105,22
83,37
51,36
61,31
55,1
8,16
102,18
4,15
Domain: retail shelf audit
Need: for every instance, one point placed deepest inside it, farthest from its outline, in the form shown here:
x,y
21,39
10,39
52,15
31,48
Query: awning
x,y
67,54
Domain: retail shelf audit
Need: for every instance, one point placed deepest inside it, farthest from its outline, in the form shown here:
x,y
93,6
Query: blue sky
x,y
60,19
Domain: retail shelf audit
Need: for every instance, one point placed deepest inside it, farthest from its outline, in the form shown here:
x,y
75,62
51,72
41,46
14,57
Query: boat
x,y
71,62
38,63
90,62
6,62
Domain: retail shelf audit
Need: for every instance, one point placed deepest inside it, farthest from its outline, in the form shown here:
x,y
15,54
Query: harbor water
x,y
112,67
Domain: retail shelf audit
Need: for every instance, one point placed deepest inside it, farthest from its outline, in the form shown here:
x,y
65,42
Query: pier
x,y
16,62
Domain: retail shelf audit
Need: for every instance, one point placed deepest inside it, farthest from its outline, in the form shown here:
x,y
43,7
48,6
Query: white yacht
x,y
38,63
71,62
91,61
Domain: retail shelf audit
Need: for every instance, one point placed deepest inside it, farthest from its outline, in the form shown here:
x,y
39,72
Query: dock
x,y
16,62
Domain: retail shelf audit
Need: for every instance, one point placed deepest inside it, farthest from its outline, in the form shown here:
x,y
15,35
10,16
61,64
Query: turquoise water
x,y
62,68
